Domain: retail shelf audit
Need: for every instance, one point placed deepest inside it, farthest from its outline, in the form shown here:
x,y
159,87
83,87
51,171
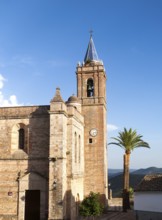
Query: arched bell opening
x,y
90,88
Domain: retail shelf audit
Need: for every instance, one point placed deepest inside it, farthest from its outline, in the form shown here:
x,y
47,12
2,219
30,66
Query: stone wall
x,y
95,152
75,162
15,163
67,161
57,155
93,100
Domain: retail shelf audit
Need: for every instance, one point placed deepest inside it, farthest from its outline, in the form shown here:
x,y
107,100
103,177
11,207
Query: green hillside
x,y
116,182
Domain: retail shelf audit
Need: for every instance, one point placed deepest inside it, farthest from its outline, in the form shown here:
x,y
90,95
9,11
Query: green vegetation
x,y
131,192
91,205
117,183
128,140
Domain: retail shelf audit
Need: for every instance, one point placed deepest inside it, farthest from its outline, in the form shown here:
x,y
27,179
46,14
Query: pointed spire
x,y
57,97
91,54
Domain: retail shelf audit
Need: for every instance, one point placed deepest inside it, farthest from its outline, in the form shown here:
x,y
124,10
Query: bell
x,y
89,87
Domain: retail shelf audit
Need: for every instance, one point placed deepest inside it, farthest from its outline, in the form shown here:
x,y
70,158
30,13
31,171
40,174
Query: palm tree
x,y
128,140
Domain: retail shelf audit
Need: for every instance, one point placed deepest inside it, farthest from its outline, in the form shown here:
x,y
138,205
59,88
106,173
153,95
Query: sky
x,y
41,42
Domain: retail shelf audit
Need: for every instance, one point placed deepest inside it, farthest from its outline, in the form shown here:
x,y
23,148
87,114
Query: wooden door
x,y
32,205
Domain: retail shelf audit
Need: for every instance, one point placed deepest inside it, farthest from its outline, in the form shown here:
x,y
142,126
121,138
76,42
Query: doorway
x,y
32,205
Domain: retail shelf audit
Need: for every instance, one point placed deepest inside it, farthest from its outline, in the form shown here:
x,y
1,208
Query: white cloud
x,y
11,101
2,79
111,127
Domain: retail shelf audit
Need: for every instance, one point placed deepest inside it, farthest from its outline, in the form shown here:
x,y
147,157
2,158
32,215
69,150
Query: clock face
x,y
93,132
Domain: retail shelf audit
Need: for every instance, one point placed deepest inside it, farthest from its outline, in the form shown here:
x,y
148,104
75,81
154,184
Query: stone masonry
x,y
52,156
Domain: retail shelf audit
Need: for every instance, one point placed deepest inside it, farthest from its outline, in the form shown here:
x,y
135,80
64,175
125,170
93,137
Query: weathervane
x,y
91,32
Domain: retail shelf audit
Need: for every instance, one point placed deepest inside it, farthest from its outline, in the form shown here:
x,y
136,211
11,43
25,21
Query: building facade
x,y
52,156
148,198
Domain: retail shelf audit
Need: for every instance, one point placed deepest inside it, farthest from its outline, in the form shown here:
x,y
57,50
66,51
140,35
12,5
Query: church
x,y
52,156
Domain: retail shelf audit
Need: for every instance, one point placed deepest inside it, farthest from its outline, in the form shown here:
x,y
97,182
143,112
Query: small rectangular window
x,y
90,140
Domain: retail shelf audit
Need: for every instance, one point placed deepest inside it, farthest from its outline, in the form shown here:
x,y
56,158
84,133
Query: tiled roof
x,y
152,182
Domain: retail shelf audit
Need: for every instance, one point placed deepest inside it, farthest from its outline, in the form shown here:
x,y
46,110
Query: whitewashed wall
x,y
148,201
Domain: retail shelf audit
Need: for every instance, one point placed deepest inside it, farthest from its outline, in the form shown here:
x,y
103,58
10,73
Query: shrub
x,y
91,205
131,192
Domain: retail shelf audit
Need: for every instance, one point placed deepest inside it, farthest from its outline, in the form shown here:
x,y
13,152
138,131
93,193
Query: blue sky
x,y
41,42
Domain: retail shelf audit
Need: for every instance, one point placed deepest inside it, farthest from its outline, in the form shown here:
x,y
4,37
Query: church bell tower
x,y
91,91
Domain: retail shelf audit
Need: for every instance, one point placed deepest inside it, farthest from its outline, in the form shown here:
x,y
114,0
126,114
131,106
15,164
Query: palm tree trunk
x,y
124,172
124,184
127,170
126,202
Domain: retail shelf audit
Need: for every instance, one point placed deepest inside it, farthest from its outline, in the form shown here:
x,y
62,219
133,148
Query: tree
x,y
91,205
128,140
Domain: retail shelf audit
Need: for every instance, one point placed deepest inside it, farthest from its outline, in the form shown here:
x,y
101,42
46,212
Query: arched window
x,y
75,147
79,149
21,138
90,88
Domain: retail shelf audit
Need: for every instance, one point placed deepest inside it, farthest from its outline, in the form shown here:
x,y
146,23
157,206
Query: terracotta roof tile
x,y
151,182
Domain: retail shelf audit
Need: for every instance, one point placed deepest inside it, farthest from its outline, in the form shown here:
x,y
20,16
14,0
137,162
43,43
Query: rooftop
x,y
151,182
